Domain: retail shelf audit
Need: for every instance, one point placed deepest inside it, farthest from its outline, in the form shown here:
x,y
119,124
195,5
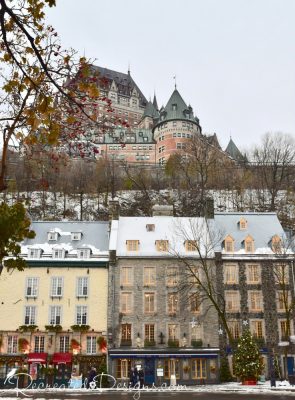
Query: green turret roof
x,y
176,108
151,111
234,152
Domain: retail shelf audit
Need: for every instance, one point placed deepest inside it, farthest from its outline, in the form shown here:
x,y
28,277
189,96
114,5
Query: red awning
x,y
37,357
62,358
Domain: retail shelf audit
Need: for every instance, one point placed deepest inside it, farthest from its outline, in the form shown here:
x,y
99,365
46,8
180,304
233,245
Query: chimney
x,y
208,208
114,209
163,211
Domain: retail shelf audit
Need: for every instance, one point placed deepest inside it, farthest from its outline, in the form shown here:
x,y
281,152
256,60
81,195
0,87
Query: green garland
x,y
80,328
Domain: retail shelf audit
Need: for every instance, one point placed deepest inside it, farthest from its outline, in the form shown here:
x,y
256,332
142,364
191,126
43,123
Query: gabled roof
x,y
124,82
176,108
234,152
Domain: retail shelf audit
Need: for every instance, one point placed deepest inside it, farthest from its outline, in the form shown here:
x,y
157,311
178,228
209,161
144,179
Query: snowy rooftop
x,y
68,236
260,226
148,230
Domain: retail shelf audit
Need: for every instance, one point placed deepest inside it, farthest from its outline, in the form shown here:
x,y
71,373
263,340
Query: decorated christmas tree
x,y
247,361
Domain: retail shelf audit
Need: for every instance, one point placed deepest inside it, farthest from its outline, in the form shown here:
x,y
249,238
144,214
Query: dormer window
x,y
76,235
83,253
34,253
52,236
174,107
162,245
249,244
132,245
58,253
150,227
191,245
243,224
229,244
276,244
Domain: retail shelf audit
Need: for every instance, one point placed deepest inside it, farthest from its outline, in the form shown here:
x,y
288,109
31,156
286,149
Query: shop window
x,y
199,368
123,368
171,367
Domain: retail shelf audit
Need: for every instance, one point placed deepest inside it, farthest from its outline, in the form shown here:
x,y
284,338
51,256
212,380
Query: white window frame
x,y
76,236
81,313
64,344
83,253
31,314
55,315
82,286
12,344
56,288
91,344
52,236
58,253
34,253
39,344
231,276
32,284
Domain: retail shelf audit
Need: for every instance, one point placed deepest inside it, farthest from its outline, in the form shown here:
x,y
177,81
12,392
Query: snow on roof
x,y
261,226
174,229
94,236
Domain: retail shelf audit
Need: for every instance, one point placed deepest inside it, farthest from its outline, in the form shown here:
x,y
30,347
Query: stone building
x,y
136,130
151,324
255,266
54,313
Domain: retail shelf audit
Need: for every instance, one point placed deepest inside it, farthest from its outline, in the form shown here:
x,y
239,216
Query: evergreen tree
x,y
247,360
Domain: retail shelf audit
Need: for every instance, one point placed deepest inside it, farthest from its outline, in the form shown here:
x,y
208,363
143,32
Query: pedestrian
x,y
141,377
91,376
132,377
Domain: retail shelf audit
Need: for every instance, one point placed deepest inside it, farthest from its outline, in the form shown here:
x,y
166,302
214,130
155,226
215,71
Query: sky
x,y
234,60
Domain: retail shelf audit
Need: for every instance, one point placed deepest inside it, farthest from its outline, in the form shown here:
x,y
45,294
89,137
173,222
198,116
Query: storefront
x,y
7,363
83,364
37,363
190,367
62,363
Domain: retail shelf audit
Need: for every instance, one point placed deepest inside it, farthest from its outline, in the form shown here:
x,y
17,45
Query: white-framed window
x,y
52,236
149,332
64,344
34,253
172,303
30,315
123,368
126,302
232,300
253,273
126,276
149,276
82,286
55,315
257,328
56,289
283,300
31,287
234,327
39,344
91,344
281,274
12,344
173,332
231,274
162,245
83,253
149,303
255,300
81,315
58,253
132,245
76,235
171,276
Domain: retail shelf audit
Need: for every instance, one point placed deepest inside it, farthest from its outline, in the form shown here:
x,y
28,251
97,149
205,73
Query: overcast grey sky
x,y
234,59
